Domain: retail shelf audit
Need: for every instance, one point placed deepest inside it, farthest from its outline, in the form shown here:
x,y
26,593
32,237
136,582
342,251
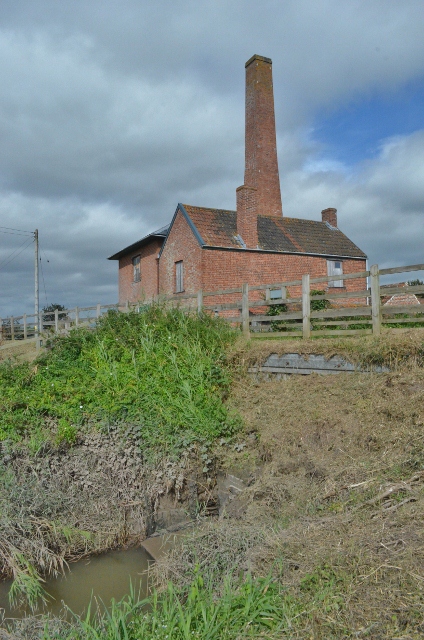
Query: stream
x,y
104,577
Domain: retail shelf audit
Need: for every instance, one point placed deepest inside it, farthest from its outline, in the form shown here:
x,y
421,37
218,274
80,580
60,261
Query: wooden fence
x,y
298,316
251,306
29,326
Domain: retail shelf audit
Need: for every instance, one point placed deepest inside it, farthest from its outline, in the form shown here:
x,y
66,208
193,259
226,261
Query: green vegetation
x,y
245,608
160,369
319,305
275,310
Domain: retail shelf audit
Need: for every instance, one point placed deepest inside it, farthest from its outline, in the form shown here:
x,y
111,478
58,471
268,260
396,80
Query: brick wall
x,y
148,285
227,269
247,216
181,245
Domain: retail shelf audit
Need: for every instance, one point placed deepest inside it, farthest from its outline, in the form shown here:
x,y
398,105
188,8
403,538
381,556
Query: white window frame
x,y
335,268
179,276
136,260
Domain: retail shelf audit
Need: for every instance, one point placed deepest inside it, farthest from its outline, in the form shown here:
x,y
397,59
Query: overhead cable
x,y
12,256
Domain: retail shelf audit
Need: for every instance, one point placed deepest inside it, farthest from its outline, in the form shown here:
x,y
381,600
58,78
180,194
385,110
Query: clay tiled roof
x,y
403,299
218,228
306,236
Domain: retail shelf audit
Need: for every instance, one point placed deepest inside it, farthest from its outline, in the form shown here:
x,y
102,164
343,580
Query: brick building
x,y
214,249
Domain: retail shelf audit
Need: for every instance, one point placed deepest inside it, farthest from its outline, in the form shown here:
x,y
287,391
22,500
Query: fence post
x,y
375,299
306,306
56,320
12,328
1,330
245,309
76,316
98,311
24,318
199,301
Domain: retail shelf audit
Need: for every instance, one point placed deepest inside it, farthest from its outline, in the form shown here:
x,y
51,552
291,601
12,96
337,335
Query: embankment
x,y
328,497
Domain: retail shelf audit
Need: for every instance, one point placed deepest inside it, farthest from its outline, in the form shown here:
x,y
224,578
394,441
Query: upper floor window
x,y
136,269
335,268
179,276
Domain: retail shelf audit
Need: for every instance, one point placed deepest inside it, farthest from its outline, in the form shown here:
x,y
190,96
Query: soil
x,y
59,504
18,351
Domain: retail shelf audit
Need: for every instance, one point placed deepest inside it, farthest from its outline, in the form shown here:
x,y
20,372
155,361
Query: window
x,y
136,269
179,276
335,268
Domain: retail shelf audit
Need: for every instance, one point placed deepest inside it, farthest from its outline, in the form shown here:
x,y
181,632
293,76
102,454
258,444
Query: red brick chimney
x,y
247,216
261,177
329,215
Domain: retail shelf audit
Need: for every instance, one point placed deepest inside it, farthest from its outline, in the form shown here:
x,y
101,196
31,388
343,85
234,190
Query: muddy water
x,y
103,577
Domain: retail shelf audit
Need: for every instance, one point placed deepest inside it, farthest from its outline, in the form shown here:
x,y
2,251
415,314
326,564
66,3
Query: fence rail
x,y
259,311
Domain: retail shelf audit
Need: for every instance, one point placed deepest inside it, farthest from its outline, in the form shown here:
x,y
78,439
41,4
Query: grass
x,y
244,608
225,608
162,370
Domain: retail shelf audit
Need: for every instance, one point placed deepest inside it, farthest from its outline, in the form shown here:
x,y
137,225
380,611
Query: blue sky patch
x,y
354,132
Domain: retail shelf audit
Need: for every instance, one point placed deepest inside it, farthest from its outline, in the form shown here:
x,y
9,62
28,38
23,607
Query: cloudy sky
x,y
113,112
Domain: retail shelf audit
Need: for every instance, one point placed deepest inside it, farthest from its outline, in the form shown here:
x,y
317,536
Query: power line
x,y
21,230
44,284
12,256
44,254
42,275
14,233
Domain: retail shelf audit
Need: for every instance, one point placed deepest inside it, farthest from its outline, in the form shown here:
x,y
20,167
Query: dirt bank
x,y
18,351
59,504
334,504
328,493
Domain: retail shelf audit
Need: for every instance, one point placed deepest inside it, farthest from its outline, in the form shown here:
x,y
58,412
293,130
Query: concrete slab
x,y
158,546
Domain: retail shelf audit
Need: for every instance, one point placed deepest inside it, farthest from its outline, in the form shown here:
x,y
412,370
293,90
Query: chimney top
x,y
256,57
330,215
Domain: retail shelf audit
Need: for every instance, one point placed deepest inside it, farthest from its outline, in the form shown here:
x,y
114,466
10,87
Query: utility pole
x,y
36,292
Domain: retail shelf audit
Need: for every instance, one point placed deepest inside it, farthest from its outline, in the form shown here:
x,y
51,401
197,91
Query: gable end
x,y
181,208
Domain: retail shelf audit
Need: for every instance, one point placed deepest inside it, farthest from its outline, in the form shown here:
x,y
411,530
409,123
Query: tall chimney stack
x,y
261,176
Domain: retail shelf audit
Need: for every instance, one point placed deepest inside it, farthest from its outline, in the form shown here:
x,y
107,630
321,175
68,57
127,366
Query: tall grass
x,y
245,608
161,370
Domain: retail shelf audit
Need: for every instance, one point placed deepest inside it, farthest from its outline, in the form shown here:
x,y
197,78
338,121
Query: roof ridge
x,y
193,206
283,218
